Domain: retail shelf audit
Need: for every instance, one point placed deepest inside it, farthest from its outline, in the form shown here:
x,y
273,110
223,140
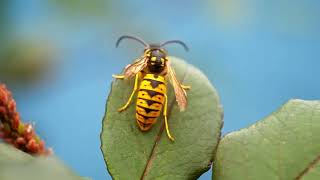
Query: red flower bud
x,y
20,141
14,131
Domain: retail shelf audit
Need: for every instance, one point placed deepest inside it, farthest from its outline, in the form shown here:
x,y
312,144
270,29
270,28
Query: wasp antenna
x,y
131,37
176,42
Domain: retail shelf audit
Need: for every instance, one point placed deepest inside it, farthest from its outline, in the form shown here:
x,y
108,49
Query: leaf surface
x,y
132,154
284,145
17,165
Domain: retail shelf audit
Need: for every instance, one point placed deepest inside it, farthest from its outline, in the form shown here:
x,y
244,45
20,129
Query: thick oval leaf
x,y
132,154
285,145
17,165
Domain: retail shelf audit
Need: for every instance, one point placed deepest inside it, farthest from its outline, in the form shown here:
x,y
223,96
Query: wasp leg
x,y
185,87
131,96
118,76
166,119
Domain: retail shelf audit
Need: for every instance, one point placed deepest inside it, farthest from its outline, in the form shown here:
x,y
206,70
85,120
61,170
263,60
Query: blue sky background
x,y
258,54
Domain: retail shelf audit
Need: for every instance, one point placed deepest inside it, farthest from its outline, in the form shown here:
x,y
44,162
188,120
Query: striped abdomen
x,y
150,100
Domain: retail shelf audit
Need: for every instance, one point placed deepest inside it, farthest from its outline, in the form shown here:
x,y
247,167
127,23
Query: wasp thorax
x,y
157,60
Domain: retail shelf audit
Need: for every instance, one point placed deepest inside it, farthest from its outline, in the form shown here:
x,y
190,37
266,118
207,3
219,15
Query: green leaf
x,y
285,145
132,154
17,165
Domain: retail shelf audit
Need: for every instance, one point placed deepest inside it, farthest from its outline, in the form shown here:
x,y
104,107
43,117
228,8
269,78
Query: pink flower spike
x,y
14,131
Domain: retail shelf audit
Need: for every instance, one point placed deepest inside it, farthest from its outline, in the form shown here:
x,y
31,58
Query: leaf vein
x,y
151,157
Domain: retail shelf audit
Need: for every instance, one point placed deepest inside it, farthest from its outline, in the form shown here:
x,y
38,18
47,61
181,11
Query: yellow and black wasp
x,y
152,70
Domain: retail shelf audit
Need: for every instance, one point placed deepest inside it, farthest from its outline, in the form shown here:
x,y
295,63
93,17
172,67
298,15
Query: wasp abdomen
x,y
150,100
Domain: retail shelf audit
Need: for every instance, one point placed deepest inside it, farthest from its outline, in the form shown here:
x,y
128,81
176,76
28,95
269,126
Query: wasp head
x,y
157,58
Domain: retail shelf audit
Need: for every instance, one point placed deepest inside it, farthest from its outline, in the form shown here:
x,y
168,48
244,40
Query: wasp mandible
x,y
152,70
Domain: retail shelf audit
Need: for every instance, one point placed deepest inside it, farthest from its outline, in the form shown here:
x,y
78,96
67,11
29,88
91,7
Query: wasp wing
x,y
134,68
180,93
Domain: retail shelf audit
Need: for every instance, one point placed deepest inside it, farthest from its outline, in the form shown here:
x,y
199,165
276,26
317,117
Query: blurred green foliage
x,y
82,7
17,165
25,61
3,22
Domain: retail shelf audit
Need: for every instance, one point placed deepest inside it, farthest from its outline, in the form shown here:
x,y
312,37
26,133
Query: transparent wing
x,y
180,93
132,69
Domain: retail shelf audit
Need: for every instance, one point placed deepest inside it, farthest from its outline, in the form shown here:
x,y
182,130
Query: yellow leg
x,y
118,76
131,96
166,119
185,87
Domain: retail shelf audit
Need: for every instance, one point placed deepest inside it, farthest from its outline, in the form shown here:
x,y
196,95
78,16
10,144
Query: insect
x,y
151,72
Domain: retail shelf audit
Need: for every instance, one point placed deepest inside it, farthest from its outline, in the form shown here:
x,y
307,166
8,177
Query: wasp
x,y
151,72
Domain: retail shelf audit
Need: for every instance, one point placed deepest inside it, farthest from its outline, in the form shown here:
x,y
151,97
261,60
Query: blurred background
x,y
57,56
